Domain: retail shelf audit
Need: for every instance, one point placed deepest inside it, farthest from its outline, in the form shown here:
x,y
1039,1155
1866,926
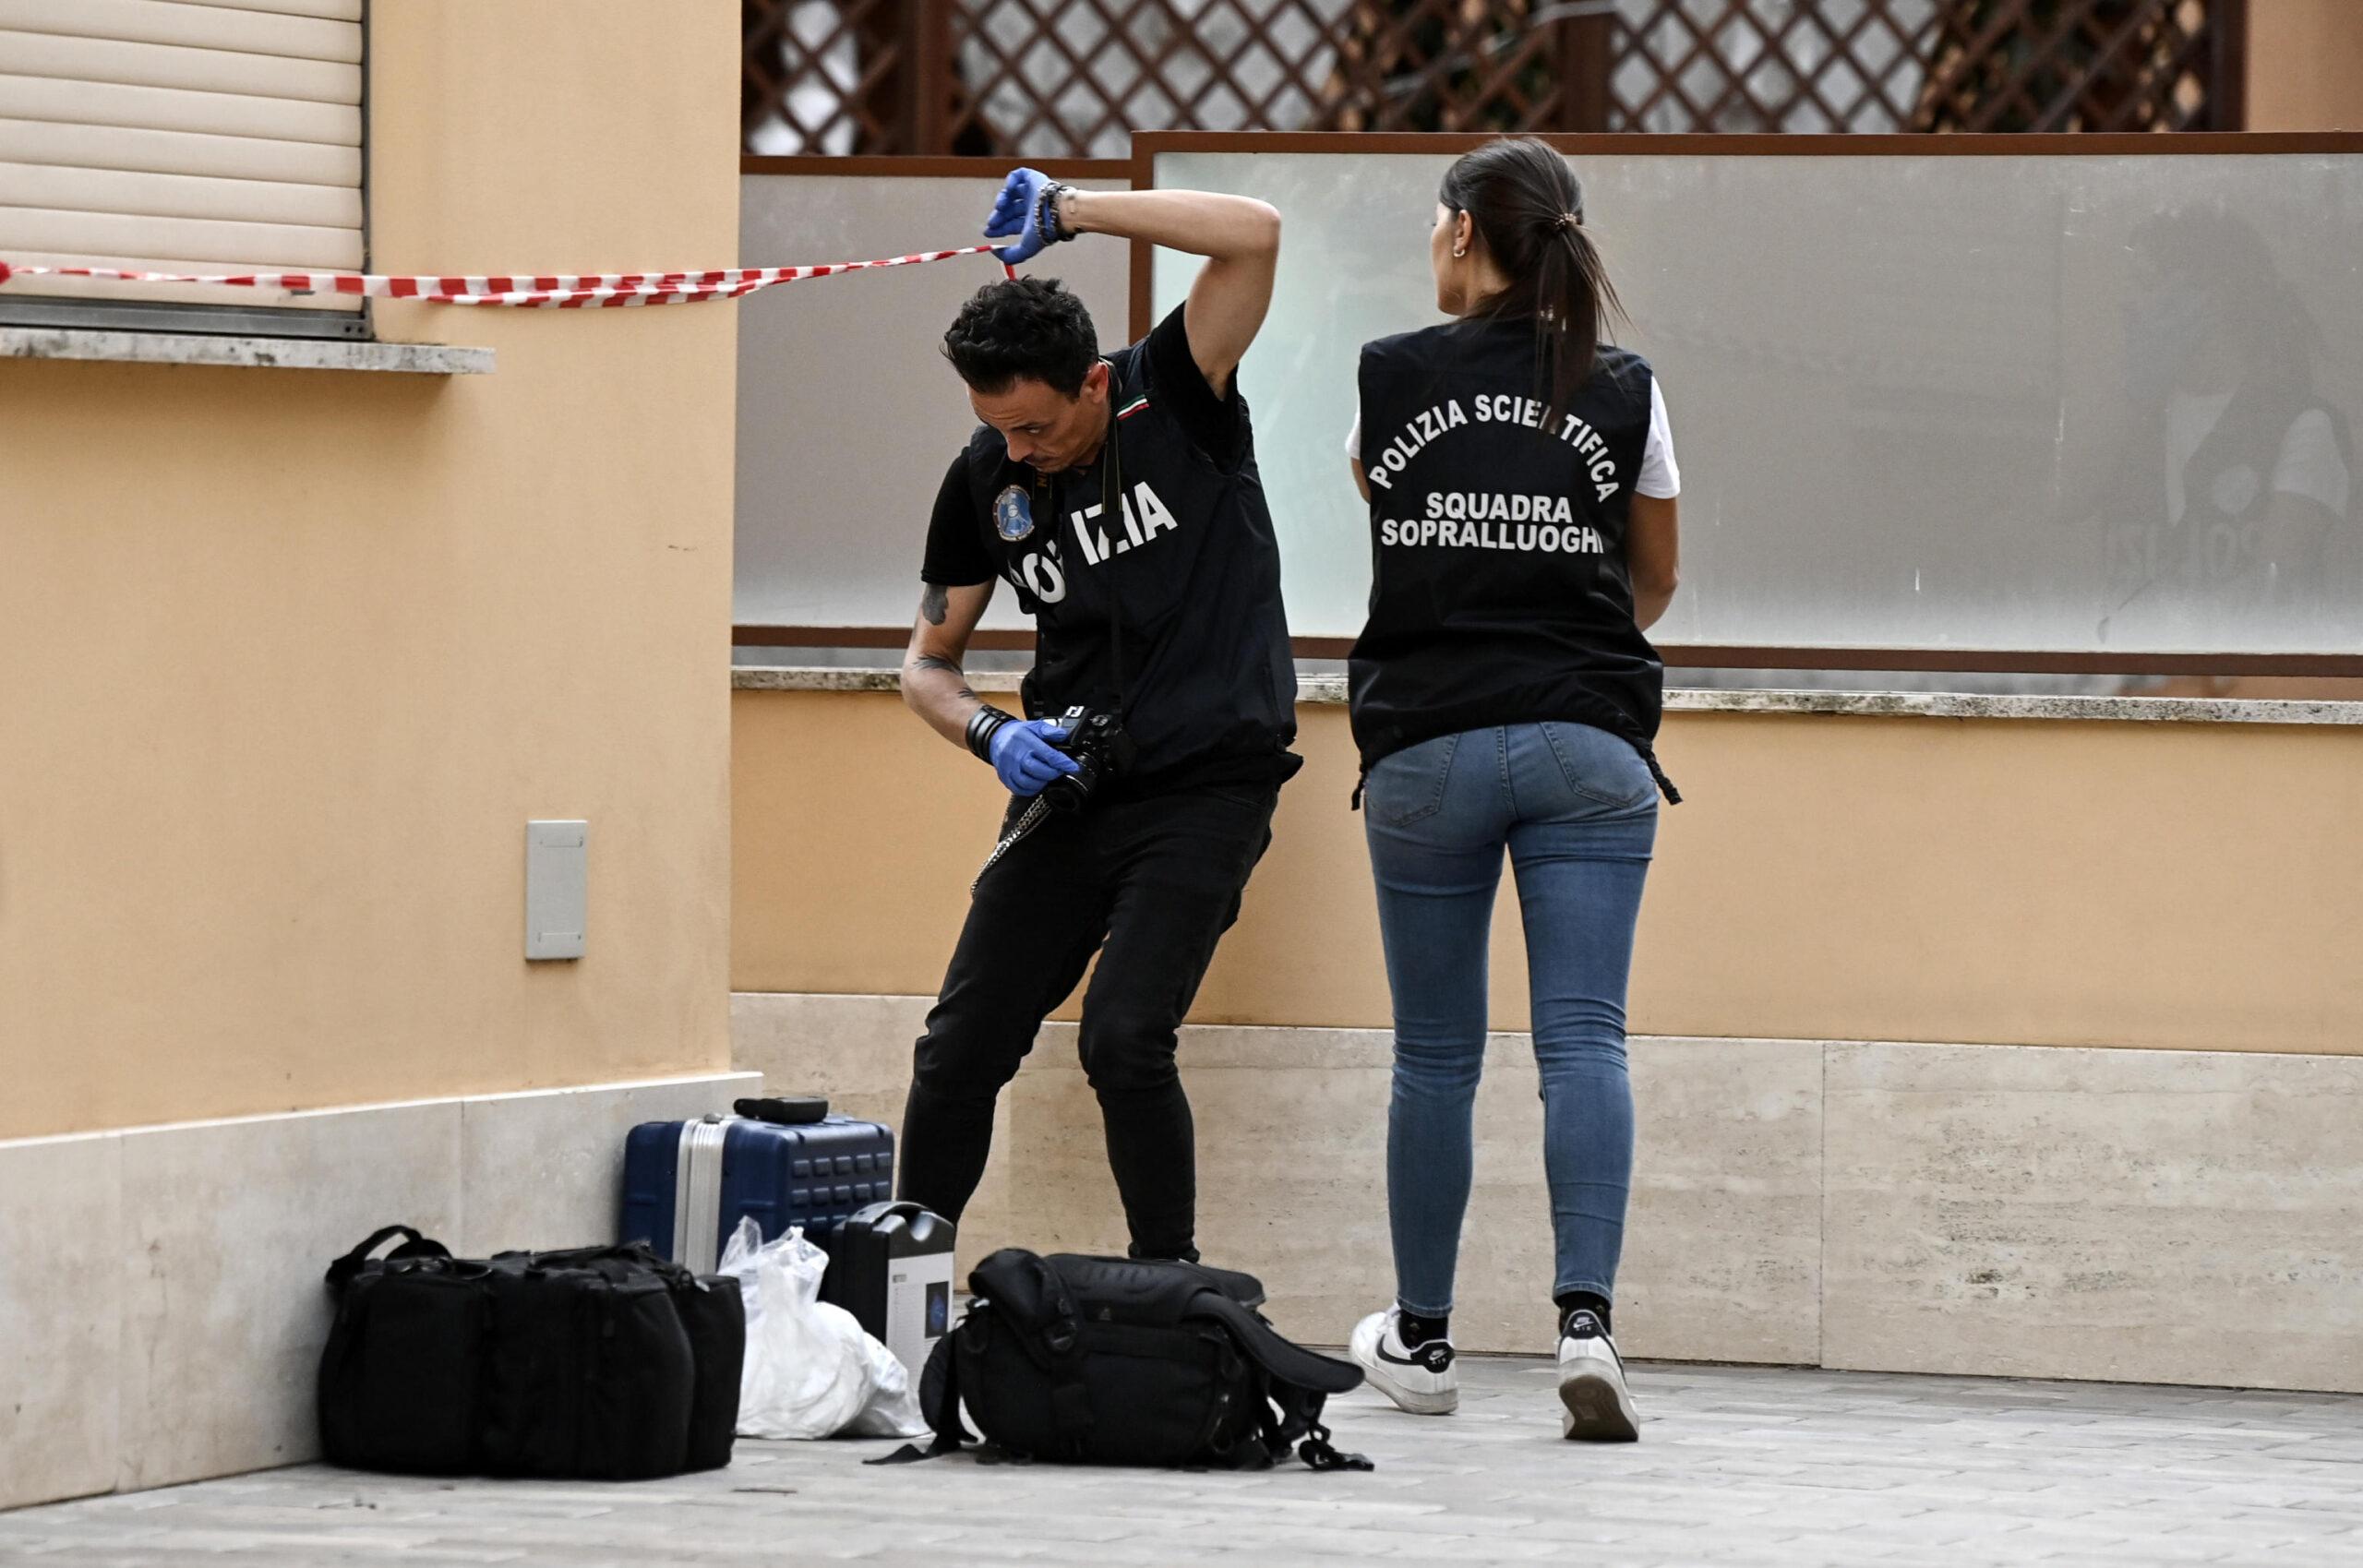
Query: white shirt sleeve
x,y
1660,476
2311,466
1354,439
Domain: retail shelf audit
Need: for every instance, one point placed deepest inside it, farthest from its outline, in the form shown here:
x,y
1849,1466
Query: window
x,y
182,136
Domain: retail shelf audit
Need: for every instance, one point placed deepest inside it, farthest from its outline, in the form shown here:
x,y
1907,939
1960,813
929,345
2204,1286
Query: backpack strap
x,y
1295,1384
939,1403
1289,1413
1318,1455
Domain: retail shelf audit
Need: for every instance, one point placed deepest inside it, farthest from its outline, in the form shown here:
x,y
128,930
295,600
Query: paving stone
x,y
1771,1467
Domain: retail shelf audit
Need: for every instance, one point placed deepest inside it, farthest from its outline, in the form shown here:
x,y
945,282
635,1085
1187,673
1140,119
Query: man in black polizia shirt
x,y
1118,496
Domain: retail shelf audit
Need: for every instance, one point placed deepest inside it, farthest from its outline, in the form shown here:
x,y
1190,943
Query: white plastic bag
x,y
893,1408
811,1370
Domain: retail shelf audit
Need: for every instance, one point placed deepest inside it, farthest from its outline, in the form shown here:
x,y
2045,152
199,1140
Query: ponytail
x,y
1527,207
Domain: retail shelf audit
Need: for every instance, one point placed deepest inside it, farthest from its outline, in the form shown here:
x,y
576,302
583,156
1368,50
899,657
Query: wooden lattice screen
x,y
2088,66
1074,78
1927,66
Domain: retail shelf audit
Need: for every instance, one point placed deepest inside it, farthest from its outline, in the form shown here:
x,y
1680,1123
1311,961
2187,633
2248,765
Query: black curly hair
x,y
1022,329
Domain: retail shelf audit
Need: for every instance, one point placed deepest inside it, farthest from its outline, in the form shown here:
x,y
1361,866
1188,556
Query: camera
x,y
1101,749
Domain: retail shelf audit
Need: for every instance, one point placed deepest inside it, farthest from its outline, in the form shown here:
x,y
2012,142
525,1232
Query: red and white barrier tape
x,y
563,291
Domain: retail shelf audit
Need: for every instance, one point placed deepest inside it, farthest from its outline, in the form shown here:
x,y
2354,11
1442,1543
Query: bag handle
x,y
615,1263
414,1245
896,1208
639,1253
784,1110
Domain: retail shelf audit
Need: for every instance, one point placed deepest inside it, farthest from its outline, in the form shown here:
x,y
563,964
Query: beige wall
x,y
1831,878
2305,64
291,656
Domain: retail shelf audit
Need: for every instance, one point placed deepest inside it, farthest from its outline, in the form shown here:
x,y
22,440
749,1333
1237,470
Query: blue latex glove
x,y
1025,758
1012,217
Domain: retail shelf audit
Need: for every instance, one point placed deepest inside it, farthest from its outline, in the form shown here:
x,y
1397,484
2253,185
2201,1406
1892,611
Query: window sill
x,y
278,353
1331,689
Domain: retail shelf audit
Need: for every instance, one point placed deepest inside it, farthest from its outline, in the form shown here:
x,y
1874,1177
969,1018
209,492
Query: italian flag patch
x,y
1131,408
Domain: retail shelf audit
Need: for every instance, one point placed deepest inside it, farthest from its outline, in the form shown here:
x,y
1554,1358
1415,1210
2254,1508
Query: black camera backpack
x,y
1125,1362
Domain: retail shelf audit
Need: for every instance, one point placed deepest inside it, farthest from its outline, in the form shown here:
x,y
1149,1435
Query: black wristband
x,y
982,725
1046,215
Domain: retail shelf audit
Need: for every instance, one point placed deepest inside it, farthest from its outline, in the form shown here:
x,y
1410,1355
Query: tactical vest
x,y
1499,590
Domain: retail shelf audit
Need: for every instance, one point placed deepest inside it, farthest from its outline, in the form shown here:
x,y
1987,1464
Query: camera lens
x,y
1070,792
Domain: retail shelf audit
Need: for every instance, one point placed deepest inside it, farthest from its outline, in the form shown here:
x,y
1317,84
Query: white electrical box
x,y
557,888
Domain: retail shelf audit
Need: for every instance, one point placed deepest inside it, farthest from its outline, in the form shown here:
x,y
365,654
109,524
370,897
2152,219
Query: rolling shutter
x,y
182,136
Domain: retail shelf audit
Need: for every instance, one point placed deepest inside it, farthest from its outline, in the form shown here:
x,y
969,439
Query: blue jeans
x,y
1578,810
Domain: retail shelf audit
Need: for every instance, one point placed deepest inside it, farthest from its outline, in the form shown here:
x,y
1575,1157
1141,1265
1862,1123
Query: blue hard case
x,y
814,1174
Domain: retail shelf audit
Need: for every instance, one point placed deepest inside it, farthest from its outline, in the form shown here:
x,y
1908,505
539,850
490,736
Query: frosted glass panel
x,y
848,412
2083,404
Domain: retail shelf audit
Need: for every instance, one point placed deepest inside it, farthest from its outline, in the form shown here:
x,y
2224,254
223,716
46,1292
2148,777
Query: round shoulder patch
x,y
1013,514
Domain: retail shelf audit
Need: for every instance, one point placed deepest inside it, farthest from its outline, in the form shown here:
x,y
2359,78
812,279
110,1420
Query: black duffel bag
x,y
602,1363
1128,1361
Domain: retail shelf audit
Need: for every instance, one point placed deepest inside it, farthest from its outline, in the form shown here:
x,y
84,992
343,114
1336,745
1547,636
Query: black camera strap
x,y
1111,517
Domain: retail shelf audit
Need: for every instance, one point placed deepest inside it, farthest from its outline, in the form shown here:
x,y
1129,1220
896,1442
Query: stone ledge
x,y
274,354
2027,1211
1320,690
796,677
161,1307
1969,705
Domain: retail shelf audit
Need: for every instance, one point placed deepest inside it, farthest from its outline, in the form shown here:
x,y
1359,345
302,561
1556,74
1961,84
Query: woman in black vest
x,y
1521,485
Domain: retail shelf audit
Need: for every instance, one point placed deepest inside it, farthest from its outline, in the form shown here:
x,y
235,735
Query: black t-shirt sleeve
x,y
956,553
1215,425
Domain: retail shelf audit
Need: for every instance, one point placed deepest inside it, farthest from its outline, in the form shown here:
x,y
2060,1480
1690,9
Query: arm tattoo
x,y
932,661
935,604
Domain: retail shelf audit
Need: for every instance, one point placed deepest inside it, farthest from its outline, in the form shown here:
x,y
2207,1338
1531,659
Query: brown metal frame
x,y
1781,144
898,167
1141,168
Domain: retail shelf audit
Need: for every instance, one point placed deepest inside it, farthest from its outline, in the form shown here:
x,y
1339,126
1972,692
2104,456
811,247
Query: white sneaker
x,y
1421,1381
1591,1385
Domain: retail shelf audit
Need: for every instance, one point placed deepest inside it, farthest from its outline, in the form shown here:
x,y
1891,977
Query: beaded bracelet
x,y
1046,214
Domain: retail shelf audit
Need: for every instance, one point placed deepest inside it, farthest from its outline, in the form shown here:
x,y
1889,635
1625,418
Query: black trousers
x,y
1150,885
